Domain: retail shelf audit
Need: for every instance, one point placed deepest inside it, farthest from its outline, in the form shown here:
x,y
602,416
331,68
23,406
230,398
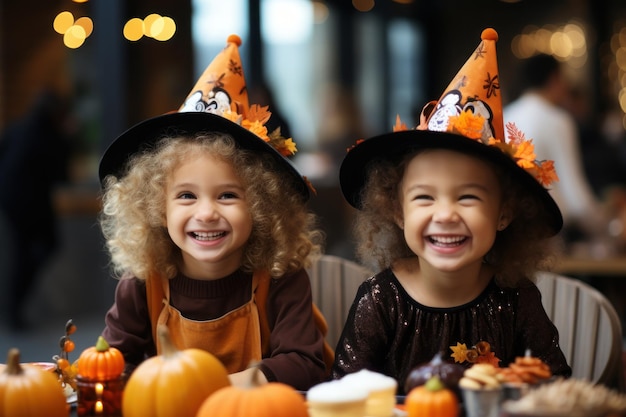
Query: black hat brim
x,y
393,146
145,134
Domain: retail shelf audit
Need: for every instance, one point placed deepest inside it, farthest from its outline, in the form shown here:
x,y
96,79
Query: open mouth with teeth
x,y
207,236
447,241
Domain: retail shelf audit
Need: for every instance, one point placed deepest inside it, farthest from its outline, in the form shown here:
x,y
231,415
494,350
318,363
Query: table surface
x,y
610,267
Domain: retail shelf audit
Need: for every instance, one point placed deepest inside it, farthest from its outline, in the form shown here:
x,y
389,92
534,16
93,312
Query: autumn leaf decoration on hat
x,y
221,90
471,106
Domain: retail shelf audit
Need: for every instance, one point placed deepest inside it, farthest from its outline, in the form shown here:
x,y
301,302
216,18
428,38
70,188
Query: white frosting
x,y
336,391
372,381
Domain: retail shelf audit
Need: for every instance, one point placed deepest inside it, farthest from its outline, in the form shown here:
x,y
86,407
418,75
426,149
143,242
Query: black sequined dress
x,y
387,331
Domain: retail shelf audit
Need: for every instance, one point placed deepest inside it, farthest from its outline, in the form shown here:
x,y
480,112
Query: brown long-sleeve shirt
x,y
295,354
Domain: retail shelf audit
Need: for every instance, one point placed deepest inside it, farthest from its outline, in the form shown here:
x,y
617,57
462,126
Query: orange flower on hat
x,y
467,124
257,128
232,116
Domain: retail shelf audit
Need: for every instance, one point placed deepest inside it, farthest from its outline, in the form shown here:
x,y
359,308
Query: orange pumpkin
x,y
174,383
28,391
431,400
273,399
100,362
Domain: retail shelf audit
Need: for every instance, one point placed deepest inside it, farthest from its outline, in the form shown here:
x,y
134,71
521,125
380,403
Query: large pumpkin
x,y
273,399
172,384
27,391
100,362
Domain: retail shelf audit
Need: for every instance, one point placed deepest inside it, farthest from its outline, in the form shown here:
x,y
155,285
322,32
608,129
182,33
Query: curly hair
x,y
284,234
518,251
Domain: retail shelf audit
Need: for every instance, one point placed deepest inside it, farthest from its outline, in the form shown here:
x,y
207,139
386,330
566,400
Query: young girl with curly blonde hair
x,y
208,230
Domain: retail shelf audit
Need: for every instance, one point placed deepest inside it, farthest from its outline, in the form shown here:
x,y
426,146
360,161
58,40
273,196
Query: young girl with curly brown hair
x,y
457,221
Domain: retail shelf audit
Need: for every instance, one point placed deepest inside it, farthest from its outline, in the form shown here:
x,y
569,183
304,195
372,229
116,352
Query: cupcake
x,y
521,375
335,398
481,390
381,399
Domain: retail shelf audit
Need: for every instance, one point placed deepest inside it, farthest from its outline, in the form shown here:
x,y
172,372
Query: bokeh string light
x,y
616,66
155,26
76,31
568,43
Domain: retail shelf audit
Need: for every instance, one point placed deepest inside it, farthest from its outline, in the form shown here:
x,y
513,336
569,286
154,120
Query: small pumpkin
x,y
100,362
28,391
432,399
174,383
273,399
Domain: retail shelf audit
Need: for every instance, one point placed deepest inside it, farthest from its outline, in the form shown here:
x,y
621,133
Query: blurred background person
x,y
539,113
34,158
602,157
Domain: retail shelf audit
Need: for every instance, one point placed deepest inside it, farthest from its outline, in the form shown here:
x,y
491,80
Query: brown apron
x,y
234,338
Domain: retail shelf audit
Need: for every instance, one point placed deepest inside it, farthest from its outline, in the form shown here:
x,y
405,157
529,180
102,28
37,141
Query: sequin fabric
x,y
387,331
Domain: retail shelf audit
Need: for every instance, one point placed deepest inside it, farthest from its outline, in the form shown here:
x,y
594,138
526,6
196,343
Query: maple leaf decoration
x,y
257,117
546,174
399,126
522,151
459,352
259,113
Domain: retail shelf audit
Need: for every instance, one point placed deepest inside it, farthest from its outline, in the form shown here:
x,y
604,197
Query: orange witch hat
x,y
221,85
476,87
467,118
218,102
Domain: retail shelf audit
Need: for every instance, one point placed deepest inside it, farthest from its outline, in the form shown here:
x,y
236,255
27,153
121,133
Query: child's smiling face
x,y
208,216
451,207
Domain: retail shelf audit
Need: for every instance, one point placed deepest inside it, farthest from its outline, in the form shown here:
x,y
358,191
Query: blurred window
x,y
301,60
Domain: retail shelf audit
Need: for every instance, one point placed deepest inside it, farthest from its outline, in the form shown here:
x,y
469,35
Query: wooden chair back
x,y
590,331
334,282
